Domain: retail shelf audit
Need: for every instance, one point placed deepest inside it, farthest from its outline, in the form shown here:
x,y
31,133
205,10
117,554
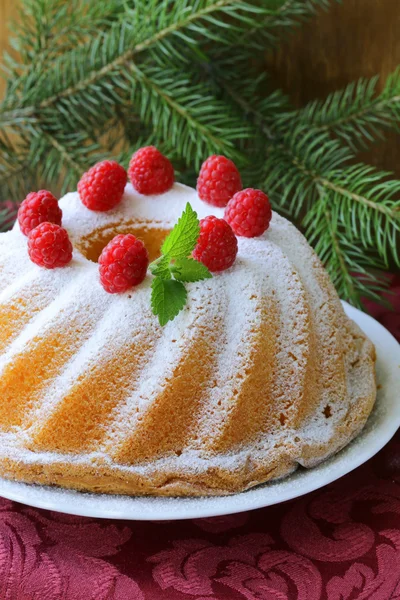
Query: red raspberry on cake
x,y
249,213
102,187
217,245
218,180
38,207
151,172
123,264
49,246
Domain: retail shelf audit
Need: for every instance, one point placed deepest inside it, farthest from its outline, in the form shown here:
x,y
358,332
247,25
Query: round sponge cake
x,y
261,372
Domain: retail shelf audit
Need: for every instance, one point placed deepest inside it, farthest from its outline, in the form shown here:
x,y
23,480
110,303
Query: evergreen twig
x,y
101,78
357,114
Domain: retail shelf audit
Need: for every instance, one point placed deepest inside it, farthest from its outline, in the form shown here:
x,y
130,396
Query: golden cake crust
x,y
99,477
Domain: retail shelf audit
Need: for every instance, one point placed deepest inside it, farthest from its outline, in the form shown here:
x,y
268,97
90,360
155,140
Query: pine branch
x,y
347,264
62,158
282,15
7,217
124,41
196,122
363,203
300,163
356,114
15,171
259,109
102,77
290,14
14,178
296,162
337,264
45,29
368,206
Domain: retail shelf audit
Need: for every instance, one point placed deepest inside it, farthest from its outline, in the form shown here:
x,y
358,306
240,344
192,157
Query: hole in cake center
x,y
92,246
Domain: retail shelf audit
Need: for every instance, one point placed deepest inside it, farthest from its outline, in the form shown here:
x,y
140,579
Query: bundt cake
x,y
261,372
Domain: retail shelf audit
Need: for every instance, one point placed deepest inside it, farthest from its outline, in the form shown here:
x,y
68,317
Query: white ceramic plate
x,y
380,427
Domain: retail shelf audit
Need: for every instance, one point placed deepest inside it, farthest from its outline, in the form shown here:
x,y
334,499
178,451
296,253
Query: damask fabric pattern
x,y
339,543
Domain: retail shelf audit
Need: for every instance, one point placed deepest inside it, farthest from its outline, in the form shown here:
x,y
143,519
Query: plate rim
x,y
170,509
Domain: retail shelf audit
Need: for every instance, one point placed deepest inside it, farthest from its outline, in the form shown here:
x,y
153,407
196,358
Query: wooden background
x,y
355,38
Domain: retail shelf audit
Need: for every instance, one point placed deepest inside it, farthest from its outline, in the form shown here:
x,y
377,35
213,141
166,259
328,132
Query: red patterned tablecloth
x,y
339,543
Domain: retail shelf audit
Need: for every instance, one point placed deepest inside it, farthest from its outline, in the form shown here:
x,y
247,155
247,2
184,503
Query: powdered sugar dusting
x,y
276,273
161,211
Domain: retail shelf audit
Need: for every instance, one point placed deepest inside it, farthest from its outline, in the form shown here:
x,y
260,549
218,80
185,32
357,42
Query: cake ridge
x,y
155,375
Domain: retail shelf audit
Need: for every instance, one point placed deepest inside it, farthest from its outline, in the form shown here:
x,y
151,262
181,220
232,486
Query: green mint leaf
x,y
160,267
168,297
183,238
189,269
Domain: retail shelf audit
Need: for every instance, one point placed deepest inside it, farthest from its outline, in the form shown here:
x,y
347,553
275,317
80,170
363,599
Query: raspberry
x,y
49,246
123,263
102,187
217,245
218,180
38,207
249,213
150,171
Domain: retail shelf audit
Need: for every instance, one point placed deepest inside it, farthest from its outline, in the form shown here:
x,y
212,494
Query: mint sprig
x,y
189,269
168,297
161,267
183,238
175,267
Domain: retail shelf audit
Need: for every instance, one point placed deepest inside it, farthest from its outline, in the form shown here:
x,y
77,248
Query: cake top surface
x,y
281,244
162,210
